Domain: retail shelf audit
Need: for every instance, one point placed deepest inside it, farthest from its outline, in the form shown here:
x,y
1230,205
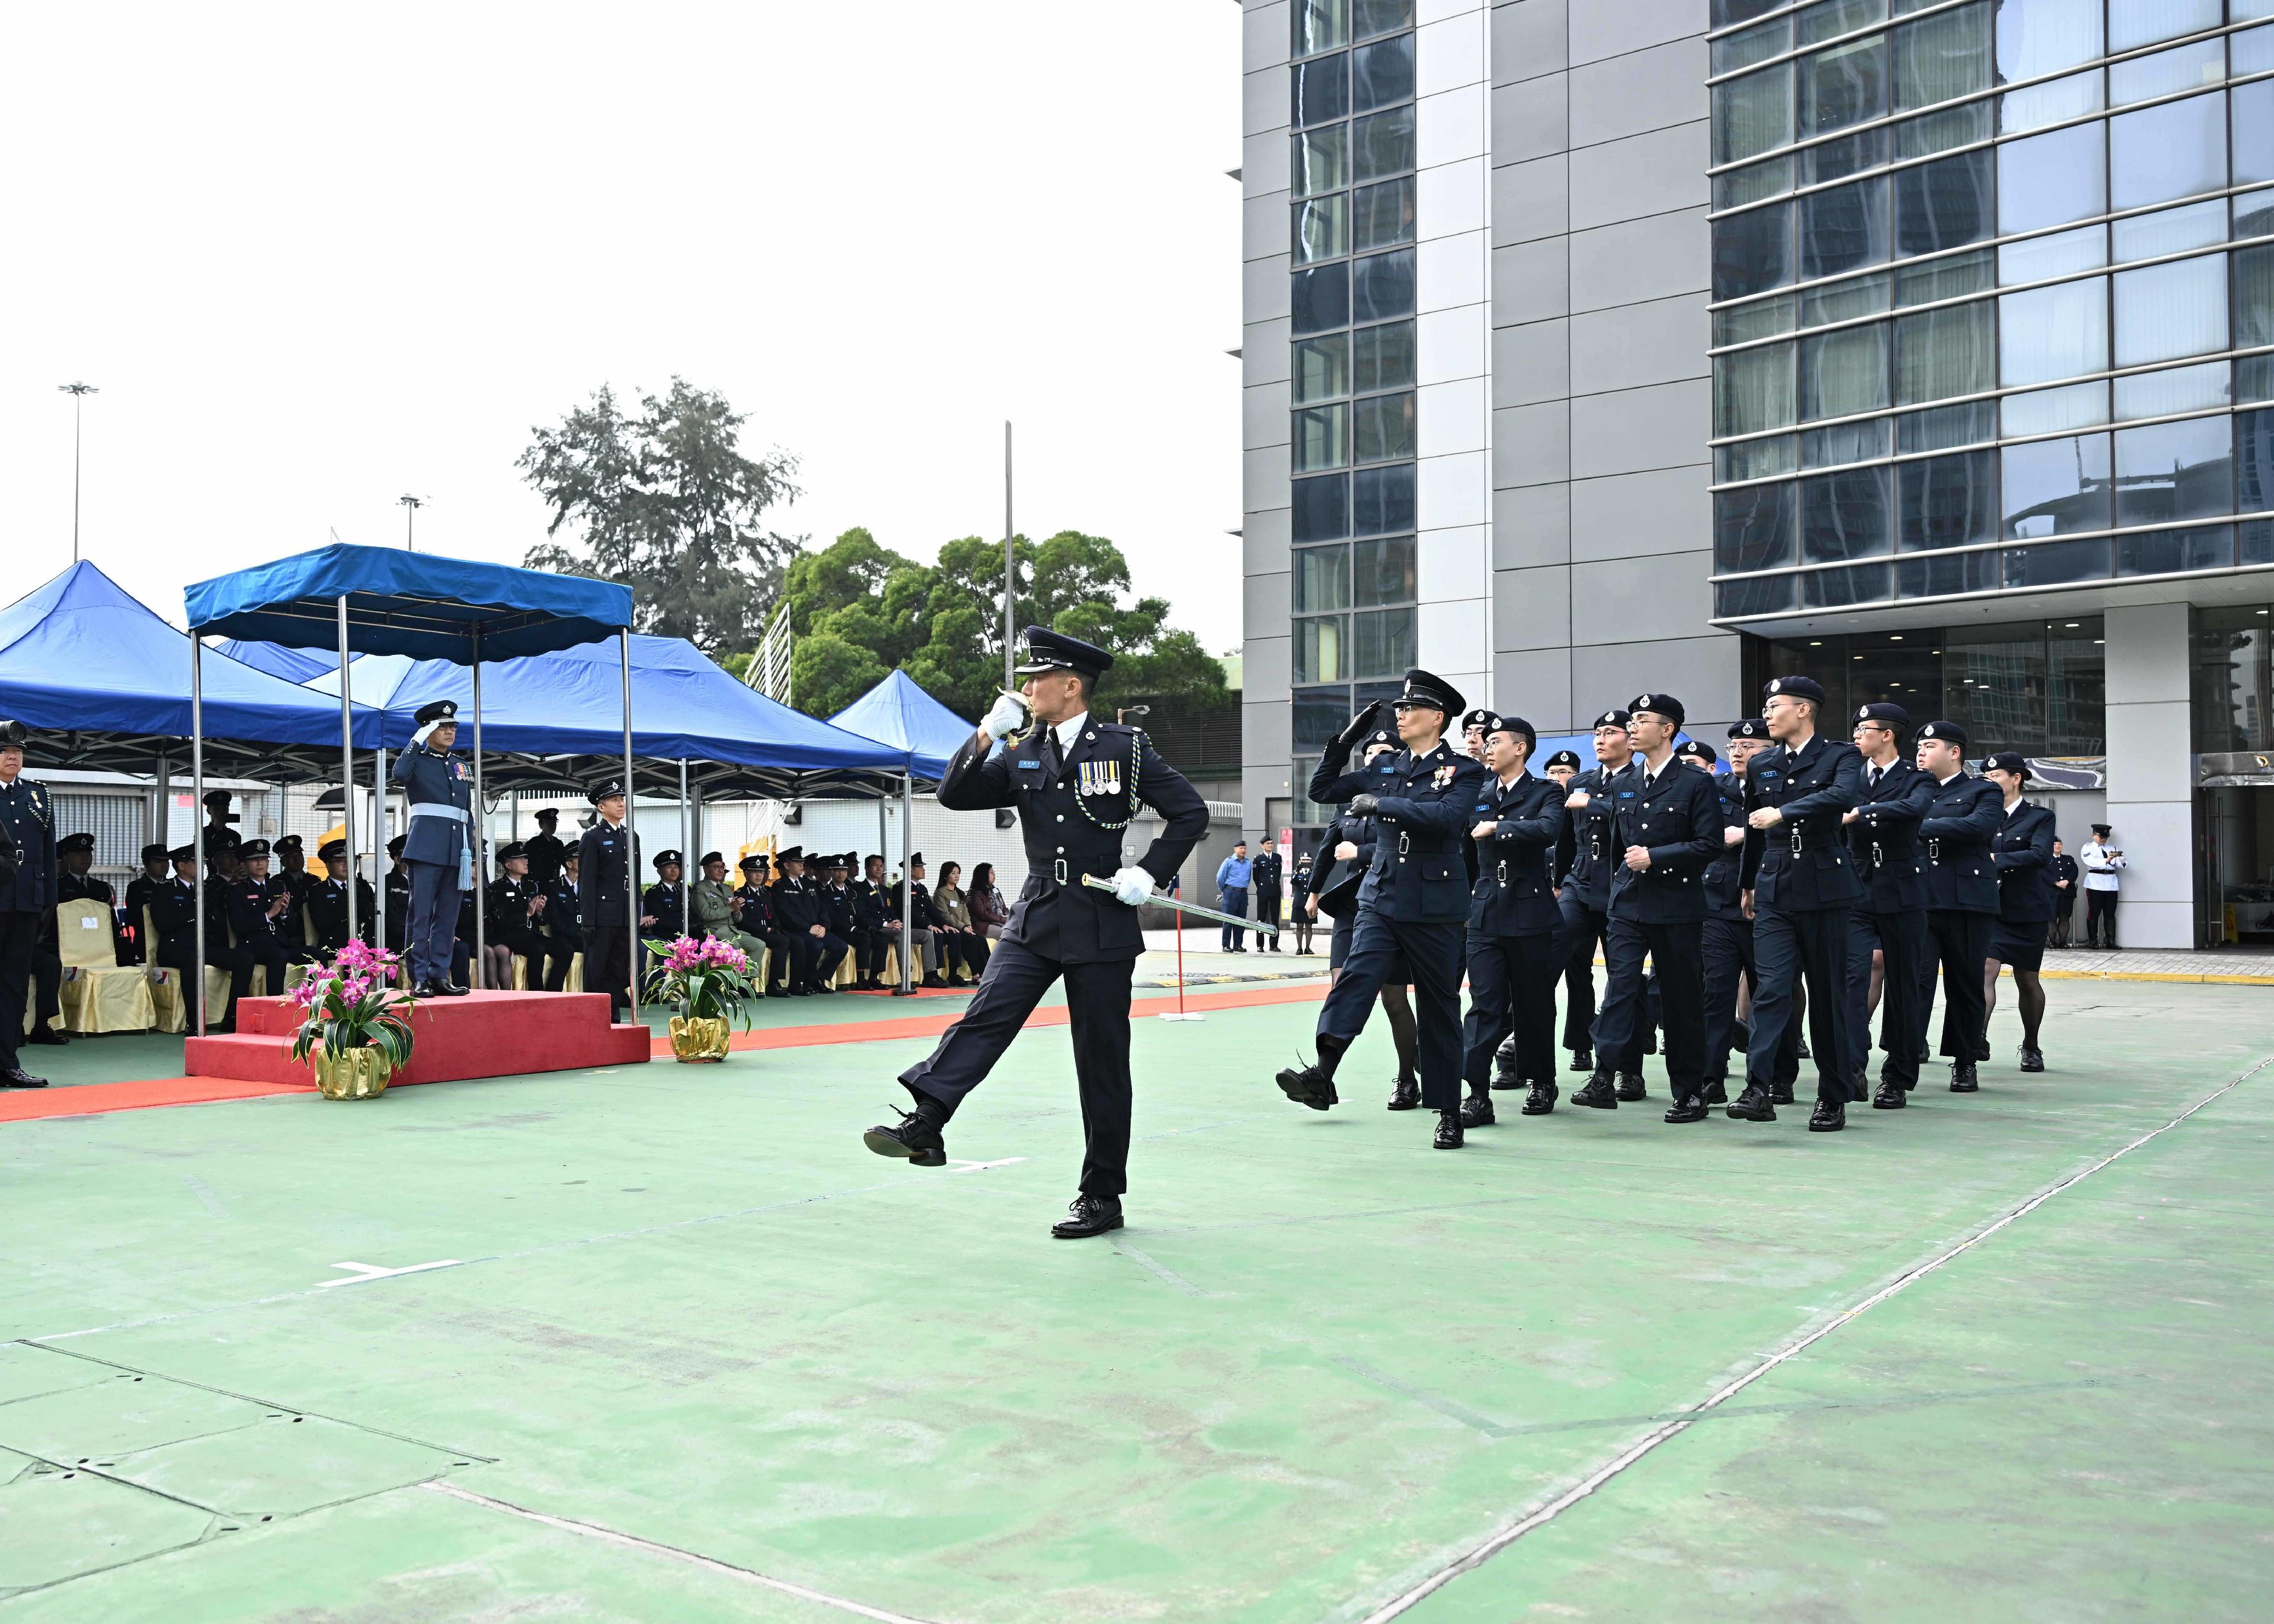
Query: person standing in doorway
x,y
2101,859
1232,876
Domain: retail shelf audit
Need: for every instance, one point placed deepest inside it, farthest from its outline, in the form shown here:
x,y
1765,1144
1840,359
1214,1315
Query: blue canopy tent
x,y
293,665
373,600
899,713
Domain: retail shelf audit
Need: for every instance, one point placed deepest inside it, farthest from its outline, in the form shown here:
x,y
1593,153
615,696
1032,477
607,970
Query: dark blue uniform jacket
x,y
1420,872
1885,839
1954,834
1802,864
1588,835
1677,817
432,780
1725,875
27,826
2022,851
1515,892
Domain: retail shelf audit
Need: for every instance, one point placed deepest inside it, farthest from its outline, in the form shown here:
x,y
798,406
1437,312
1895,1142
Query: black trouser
x,y
1582,929
967,948
548,958
1266,919
608,965
1097,1007
1678,959
1511,988
1900,939
1432,954
1958,944
870,943
814,958
20,944
1233,901
260,951
1807,945
1726,944
2100,918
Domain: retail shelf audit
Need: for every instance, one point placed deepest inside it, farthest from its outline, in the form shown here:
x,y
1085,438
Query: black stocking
x,y
1399,1009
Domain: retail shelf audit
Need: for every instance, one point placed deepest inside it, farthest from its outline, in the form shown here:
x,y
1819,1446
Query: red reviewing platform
x,y
482,1034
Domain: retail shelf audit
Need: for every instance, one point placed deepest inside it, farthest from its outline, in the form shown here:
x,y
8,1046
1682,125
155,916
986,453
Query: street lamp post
x,y
78,392
411,506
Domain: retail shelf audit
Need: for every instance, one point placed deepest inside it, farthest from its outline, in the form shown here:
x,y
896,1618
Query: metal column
x,y
907,988
480,832
347,765
631,828
198,833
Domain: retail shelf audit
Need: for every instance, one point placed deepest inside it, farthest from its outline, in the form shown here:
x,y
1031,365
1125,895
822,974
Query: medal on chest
x,y
1442,777
1099,778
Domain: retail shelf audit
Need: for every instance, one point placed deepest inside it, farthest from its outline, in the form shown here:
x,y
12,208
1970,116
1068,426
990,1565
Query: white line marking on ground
x,y
981,1167
365,1272
203,1193
1652,1439
630,1542
1162,1270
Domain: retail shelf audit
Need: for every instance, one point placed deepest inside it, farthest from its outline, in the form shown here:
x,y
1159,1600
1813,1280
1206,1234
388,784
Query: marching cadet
x,y
666,900
1666,826
1886,933
326,902
548,851
1077,781
756,919
1583,894
1725,939
253,911
607,863
1349,840
872,937
2022,851
74,858
398,894
27,897
1413,903
1561,768
154,874
440,846
1963,813
1800,888
1473,736
516,925
712,906
1511,930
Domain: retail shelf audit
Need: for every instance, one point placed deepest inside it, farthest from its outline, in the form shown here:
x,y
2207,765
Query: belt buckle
x,y
1934,848
1060,871
1405,843
1502,872
1795,840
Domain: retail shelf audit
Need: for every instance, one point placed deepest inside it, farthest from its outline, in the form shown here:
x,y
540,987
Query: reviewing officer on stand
x,y
438,847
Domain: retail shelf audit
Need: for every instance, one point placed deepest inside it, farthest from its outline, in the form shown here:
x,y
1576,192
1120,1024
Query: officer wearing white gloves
x,y
1077,781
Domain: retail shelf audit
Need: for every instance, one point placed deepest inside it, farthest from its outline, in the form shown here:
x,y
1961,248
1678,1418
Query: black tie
x,y
1876,771
1051,762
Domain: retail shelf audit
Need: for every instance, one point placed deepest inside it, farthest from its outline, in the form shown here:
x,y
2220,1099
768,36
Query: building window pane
x,y
1942,576
2041,258
2174,470
2050,333
1750,185
1753,528
1764,319
1383,572
2049,412
1384,428
1761,459
2254,379
2168,552
1835,18
1841,86
1729,13
2183,388
2055,102
1752,115
1947,501
1845,442
2056,563
1843,228
1946,427
1321,368
1322,579
1382,357
2055,485
1382,216
1752,390
2253,297
1845,515
2044,37
1321,508
1321,439
2168,74
2050,179
1321,160
1753,252
1850,155
1846,301
1837,589
1322,91
1369,17
1953,126
1945,204
2168,231
1765,595
2253,51
2171,151
2254,462
1382,286
2254,131
1382,500
2134,23
1320,25
1320,714
1320,298
1942,56
1742,50
1382,144
1843,373
1383,643
1322,228
1939,353
1322,649
1382,74
1953,278
2164,311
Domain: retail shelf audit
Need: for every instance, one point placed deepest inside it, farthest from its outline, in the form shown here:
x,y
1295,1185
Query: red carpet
x,y
482,1034
96,1098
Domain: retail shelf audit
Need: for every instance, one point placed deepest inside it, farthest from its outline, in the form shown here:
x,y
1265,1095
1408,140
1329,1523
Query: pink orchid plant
x,y
711,978
353,1003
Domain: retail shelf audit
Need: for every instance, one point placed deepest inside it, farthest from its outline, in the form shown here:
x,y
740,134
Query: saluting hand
x,y
1365,805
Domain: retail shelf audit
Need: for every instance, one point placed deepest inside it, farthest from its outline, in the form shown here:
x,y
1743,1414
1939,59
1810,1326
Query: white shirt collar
x,y
1070,729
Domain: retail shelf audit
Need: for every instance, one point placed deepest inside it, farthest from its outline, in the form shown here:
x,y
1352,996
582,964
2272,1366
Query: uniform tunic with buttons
x,y
1962,814
438,850
27,898
1512,921
1890,918
1658,914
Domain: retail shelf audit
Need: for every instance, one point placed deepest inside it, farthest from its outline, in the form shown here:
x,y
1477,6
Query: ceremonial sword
x,y
1256,925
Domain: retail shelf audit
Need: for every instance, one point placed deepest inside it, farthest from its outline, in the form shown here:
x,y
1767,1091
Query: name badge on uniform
x,y
1100,777
1030,763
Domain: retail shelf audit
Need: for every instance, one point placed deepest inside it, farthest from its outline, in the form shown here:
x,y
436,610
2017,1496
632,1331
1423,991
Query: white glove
x,y
1009,715
1134,886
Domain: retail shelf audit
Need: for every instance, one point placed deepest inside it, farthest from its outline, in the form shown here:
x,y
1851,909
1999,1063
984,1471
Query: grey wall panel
x,y
1641,259
1265,162
1531,445
1530,200
1531,119
1703,672
1651,174
1531,282
1263,292
1649,90
1531,525
1263,672
1644,601
1527,39
1263,543
1263,357
1264,229
1264,33
1263,478
1662,426
1603,28
1264,102
1532,608
1537,685
1263,416
1661,342
1264,602
1632,515
1532,363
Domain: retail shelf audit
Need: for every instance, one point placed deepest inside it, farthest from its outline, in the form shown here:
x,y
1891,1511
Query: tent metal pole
x,y
380,834
161,790
631,831
883,829
480,833
198,834
687,844
908,883
347,765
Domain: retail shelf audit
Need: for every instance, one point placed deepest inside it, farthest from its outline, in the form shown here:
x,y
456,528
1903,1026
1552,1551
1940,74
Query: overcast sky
x,y
319,257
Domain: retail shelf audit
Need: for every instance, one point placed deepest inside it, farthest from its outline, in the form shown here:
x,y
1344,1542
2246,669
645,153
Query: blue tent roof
x,y
293,665
899,713
81,658
416,603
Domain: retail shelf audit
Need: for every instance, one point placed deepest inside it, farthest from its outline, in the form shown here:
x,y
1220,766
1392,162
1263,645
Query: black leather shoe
x,y
1926,1056
1753,1105
1308,1085
1962,1076
1891,1097
1804,1055
451,990
1583,1060
2033,1060
932,981
1090,1214
1541,1100
912,1137
824,989
1449,1135
1631,1087
1740,1036
1404,1095
1717,1092
1691,1110
1780,1093
46,1036
1477,1111
16,1076
1600,1094
1827,1117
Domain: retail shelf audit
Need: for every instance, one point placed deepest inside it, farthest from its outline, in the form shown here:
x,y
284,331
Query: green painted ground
x,y
1322,1364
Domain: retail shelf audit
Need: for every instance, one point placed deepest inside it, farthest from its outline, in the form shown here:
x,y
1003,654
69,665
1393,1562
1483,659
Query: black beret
x,y
1563,758
1610,718
1381,735
1476,718
395,847
1697,750
1660,704
1795,687
1752,728
1514,725
1886,714
714,857
1948,733
287,842
2007,761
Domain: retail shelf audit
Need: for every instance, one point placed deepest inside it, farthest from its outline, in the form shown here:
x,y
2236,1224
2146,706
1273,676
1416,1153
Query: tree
x,y
664,501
